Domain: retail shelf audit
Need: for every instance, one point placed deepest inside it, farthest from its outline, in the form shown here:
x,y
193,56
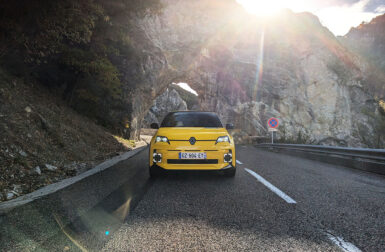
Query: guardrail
x,y
371,160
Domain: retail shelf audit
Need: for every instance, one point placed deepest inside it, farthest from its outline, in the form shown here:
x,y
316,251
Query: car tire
x,y
229,172
154,172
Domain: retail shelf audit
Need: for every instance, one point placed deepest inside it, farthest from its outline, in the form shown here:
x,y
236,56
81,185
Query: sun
x,y
260,8
266,8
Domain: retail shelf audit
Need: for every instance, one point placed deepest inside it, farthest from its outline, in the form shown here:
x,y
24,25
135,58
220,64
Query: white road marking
x,y
344,245
239,162
274,189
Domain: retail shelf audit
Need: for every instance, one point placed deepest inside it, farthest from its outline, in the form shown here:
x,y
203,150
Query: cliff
x,y
110,61
248,69
368,42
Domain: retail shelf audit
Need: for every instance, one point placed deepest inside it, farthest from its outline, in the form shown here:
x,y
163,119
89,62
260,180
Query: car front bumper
x,y
215,160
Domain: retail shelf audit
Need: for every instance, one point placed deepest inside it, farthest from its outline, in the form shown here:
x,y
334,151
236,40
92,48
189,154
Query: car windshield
x,y
192,119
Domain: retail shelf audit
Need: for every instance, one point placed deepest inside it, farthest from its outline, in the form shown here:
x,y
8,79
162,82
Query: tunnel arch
x,y
176,97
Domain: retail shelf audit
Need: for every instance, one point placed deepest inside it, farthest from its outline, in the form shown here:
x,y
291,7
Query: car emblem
x,y
192,140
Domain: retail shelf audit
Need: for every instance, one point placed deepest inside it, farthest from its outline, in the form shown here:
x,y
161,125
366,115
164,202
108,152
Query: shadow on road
x,y
92,229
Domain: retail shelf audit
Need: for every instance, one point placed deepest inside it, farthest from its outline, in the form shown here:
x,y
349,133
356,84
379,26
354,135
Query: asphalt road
x,y
335,207
276,202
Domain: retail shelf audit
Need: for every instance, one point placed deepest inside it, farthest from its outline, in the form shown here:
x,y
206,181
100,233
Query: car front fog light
x,y
228,158
157,157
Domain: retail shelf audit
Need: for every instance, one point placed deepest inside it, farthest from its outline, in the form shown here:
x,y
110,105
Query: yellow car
x,y
190,140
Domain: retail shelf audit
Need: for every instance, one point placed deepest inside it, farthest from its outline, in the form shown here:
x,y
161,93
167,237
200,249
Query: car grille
x,y
192,161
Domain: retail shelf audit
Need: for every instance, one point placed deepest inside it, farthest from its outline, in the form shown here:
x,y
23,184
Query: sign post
x,y
273,125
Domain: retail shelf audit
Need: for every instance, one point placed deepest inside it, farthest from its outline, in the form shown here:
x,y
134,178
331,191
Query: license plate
x,y
192,155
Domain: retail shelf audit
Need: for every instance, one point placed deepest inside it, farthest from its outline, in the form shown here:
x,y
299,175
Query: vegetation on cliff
x,y
55,53
77,48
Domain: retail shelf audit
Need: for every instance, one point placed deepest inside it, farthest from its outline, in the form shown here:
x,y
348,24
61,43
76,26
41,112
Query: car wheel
x,y
230,172
154,172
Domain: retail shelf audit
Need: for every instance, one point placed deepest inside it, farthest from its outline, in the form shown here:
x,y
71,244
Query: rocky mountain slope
x,y
43,141
248,69
368,41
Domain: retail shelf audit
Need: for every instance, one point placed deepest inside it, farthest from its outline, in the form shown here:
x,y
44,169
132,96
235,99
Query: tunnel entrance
x,y
177,97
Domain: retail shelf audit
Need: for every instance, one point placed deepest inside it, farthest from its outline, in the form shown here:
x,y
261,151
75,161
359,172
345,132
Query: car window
x,y
192,119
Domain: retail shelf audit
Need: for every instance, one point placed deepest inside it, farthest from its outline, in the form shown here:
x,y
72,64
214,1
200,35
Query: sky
x,y
337,15
186,87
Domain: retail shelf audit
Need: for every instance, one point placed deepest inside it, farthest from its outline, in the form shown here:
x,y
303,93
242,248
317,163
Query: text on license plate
x,y
192,155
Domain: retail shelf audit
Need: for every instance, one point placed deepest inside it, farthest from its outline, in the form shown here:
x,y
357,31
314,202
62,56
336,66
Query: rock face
x,y
169,101
248,70
368,41
111,60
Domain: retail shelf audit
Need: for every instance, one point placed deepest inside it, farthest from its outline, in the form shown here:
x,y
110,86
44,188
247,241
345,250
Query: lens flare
x,y
259,66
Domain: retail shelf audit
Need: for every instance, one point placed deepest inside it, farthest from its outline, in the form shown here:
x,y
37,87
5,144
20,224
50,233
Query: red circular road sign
x,y
273,122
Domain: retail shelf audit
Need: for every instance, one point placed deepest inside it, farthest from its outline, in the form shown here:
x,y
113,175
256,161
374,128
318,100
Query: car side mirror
x,y
229,126
154,126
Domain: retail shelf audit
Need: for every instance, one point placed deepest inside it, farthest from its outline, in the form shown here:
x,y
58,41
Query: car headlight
x,y
161,139
223,139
